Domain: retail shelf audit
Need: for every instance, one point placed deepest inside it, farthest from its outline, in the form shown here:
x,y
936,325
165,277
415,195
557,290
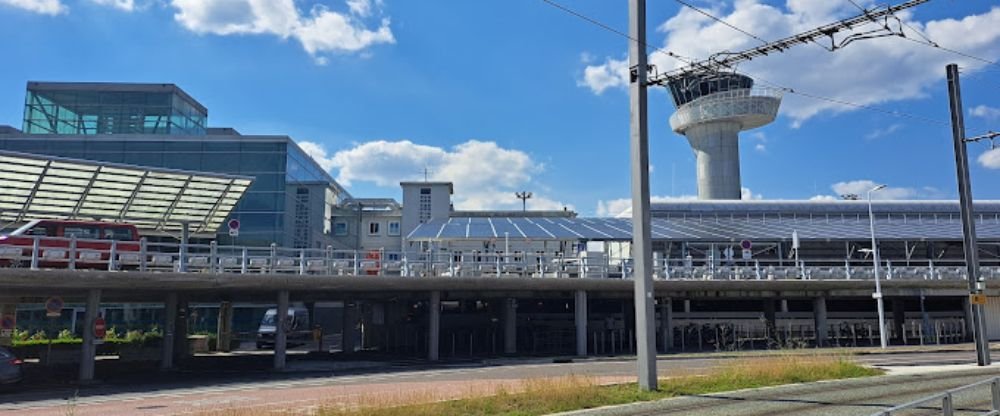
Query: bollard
x,y
947,406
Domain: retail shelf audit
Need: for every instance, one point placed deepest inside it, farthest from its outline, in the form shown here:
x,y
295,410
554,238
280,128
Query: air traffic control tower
x,y
711,111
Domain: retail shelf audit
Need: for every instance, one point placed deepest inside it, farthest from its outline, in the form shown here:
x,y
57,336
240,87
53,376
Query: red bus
x,y
93,243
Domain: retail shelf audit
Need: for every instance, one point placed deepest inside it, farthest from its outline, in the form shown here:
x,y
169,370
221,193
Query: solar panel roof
x,y
45,187
704,228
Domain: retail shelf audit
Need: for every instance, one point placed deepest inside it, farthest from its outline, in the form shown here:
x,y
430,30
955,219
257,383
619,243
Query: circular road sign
x,y
54,306
100,329
7,322
746,244
234,224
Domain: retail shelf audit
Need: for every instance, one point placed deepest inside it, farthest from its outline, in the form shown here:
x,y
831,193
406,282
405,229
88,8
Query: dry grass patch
x,y
552,395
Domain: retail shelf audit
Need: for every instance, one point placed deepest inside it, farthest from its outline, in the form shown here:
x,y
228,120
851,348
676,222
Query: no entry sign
x,y
100,328
54,307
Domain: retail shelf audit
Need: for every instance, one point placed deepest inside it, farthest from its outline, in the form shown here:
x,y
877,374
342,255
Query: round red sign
x,y
99,328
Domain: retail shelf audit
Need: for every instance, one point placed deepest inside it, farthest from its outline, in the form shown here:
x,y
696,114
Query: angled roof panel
x,y
156,199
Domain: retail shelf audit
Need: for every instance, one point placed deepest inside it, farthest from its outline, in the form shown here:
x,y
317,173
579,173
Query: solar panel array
x,y
700,229
42,187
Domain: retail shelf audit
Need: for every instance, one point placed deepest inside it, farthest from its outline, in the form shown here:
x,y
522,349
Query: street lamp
x,y
878,285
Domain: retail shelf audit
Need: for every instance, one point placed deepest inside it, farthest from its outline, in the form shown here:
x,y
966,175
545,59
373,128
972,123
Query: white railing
x,y
947,400
71,253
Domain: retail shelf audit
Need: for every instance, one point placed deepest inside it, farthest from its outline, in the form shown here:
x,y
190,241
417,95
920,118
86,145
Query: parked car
x,y
93,245
299,331
10,367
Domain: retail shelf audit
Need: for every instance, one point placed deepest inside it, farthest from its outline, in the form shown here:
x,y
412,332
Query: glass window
x,y
425,191
373,228
88,232
340,228
394,228
118,233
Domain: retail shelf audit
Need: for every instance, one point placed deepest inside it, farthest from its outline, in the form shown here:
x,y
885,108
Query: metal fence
x,y
947,400
73,253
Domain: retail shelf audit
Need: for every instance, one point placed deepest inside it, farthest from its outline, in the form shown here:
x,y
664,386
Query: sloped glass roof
x,y
44,187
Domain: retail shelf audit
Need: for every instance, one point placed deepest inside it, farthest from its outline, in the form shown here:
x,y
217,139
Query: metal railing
x,y
71,253
947,400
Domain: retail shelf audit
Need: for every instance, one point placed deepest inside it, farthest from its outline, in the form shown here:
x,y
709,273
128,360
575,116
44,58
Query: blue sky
x,y
502,96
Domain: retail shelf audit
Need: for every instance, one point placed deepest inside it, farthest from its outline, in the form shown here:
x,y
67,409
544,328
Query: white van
x,y
297,322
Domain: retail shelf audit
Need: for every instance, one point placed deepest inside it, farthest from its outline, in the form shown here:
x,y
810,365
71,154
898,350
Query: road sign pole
x,y
976,285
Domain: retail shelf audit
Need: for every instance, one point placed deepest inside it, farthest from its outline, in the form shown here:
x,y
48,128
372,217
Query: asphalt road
x,y
199,392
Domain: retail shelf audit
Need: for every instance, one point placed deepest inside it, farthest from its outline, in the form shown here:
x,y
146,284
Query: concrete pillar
x,y
580,312
349,334
434,326
224,330
88,349
281,330
169,328
819,320
784,306
717,153
667,324
899,318
182,350
510,326
770,319
687,305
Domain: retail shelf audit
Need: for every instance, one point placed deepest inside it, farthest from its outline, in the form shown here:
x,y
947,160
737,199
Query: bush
x,y
65,334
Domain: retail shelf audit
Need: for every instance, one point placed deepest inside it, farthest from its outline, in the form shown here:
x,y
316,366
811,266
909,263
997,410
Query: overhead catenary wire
x,y
786,89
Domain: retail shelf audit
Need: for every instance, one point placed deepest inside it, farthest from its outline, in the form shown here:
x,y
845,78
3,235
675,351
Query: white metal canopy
x,y
45,187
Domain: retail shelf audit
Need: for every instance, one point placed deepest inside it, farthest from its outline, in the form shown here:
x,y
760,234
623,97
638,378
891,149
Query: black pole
x,y
976,285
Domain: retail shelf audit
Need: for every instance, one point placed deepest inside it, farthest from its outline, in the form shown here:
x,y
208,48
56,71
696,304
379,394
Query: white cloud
x,y
362,8
321,30
883,132
485,175
622,207
868,72
983,111
123,5
990,159
611,74
49,7
862,186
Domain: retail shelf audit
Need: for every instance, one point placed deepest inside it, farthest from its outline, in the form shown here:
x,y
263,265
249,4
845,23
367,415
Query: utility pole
x,y
641,239
524,197
976,284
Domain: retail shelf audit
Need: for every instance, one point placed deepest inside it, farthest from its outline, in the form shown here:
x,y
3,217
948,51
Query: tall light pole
x,y
878,285
524,197
641,239
976,283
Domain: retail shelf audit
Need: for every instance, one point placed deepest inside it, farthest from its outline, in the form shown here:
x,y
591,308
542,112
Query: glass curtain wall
x,y
110,112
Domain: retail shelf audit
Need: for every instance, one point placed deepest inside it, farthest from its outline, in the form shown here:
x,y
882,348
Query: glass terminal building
x,y
159,125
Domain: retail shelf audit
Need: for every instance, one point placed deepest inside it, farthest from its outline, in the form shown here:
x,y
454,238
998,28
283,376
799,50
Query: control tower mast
x,y
714,103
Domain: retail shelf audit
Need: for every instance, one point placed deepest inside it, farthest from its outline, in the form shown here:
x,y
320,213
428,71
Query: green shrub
x,y
65,334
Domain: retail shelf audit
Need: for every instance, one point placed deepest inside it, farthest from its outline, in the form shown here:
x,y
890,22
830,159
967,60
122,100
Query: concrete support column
x,y
819,320
182,350
434,327
770,319
580,312
169,328
667,324
281,331
510,326
687,305
898,318
349,336
88,349
784,306
224,331
717,154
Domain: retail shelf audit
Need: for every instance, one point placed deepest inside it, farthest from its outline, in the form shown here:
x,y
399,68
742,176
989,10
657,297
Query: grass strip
x,y
544,396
